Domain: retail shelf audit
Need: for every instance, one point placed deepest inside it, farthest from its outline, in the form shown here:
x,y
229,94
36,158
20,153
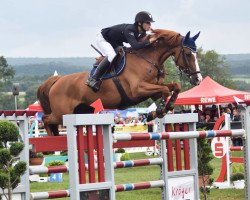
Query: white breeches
x,y
105,47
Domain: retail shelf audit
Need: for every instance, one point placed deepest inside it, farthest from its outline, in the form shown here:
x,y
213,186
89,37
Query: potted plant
x,y
118,154
237,176
125,156
238,180
204,167
35,158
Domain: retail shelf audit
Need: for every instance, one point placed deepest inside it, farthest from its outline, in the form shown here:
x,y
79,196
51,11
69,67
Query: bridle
x,y
186,70
160,68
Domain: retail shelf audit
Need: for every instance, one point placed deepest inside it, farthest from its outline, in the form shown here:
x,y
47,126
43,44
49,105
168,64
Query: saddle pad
x,y
118,69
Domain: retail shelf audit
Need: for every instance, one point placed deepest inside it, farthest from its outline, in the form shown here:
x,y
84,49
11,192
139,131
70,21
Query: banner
x,y
131,129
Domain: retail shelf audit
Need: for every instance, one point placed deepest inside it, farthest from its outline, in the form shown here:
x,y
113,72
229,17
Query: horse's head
x,y
184,51
186,59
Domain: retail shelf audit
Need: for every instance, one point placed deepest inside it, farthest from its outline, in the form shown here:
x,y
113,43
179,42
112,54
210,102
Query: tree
x,y
205,168
30,96
11,168
6,71
214,65
7,101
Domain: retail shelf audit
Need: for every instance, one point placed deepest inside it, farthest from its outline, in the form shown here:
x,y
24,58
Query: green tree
x,y
6,71
214,65
7,101
30,96
11,168
211,64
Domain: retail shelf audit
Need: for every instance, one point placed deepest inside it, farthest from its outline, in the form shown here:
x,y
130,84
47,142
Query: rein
x,y
159,68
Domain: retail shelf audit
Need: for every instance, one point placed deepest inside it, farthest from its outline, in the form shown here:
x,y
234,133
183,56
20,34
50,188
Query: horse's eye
x,y
188,55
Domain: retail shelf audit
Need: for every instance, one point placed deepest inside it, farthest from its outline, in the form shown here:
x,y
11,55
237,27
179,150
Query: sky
x,y
64,28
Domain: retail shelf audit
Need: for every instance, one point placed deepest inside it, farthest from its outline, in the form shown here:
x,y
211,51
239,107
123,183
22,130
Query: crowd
x,y
206,115
211,114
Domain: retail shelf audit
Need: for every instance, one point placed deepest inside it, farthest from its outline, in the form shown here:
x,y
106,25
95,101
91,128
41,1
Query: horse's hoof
x,y
150,117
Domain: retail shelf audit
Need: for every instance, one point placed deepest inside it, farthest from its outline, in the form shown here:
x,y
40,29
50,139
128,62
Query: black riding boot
x,y
94,82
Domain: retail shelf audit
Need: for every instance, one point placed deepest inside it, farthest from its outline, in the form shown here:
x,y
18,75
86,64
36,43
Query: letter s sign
x,y
219,147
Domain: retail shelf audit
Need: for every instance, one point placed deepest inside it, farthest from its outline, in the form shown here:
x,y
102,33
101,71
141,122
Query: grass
x,y
148,173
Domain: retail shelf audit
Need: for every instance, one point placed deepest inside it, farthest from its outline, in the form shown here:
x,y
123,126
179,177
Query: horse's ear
x,y
187,35
196,36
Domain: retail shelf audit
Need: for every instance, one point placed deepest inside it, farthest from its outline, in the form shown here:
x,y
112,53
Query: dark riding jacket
x,y
129,33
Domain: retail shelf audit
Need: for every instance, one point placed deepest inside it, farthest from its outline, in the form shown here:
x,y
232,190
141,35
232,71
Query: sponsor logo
x,y
208,100
247,96
181,191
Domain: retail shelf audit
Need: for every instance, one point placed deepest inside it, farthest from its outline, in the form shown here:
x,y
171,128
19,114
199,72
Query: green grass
x,y
149,173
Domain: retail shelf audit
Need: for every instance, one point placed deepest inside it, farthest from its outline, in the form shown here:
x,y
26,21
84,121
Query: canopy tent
x,y
35,107
210,92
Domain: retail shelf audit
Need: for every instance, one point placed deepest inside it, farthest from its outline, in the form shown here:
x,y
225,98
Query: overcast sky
x,y
66,28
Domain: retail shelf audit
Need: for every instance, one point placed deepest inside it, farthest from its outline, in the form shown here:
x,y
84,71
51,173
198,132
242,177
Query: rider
x,y
112,37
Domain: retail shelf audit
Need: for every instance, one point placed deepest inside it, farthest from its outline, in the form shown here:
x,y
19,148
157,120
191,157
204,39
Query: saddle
x,y
117,65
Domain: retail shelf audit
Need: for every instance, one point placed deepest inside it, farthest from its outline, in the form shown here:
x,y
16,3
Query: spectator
x,y
230,106
202,118
235,115
215,118
228,111
197,110
208,118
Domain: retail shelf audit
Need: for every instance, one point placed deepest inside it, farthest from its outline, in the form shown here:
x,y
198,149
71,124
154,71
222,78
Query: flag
x,y
55,73
238,100
152,107
97,105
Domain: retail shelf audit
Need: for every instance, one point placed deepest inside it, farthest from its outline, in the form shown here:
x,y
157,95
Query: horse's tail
x,y
43,93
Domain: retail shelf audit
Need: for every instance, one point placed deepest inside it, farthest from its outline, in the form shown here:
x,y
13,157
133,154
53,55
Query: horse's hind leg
x,y
51,129
51,125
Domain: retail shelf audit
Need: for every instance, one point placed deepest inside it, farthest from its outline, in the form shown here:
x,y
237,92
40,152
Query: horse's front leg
x,y
161,111
154,91
175,88
145,89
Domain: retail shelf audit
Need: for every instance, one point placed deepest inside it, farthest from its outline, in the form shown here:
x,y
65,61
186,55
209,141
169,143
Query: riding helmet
x,y
143,17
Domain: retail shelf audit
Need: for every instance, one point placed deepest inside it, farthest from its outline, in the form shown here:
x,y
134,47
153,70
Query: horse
x,y
142,78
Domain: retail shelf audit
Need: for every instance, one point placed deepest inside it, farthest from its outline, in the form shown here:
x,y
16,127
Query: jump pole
x,y
78,186
74,121
22,117
246,145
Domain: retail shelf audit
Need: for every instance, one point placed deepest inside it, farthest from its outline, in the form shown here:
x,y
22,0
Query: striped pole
x,y
236,148
49,169
121,164
139,186
50,194
179,135
138,163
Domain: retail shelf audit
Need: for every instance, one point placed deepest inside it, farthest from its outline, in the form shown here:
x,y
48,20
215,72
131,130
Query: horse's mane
x,y
171,37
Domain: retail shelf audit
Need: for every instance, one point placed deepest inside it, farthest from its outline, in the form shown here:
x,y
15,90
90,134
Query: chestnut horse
x,y
142,78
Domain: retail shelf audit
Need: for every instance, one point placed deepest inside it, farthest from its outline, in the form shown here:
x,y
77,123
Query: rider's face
x,y
146,26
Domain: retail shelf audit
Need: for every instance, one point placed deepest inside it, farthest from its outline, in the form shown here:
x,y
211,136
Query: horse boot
x,y
95,82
